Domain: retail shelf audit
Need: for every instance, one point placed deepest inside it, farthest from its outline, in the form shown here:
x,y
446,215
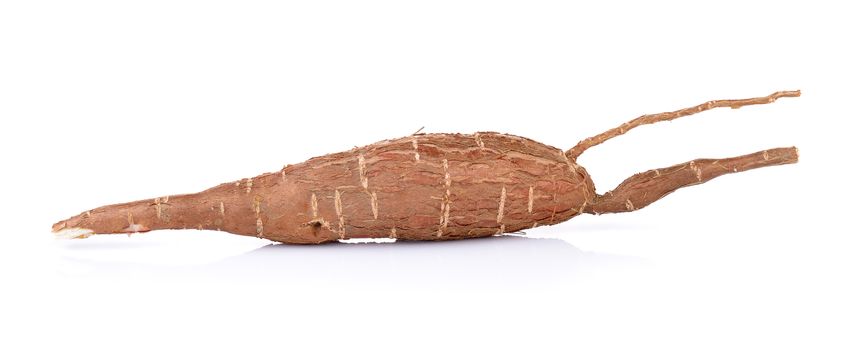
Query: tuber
x,y
422,187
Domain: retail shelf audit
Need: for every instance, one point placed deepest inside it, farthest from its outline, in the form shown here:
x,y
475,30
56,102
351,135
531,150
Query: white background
x,y
108,101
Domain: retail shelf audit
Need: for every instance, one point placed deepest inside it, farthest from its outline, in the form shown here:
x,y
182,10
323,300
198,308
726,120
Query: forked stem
x,y
582,146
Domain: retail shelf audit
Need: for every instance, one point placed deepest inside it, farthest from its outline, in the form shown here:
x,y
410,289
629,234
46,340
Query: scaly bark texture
x,y
421,187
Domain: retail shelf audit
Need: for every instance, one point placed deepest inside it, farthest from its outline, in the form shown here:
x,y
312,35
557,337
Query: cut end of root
x,y
793,93
786,155
72,233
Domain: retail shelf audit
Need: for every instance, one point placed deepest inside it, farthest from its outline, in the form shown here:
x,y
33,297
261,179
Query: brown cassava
x,y
421,187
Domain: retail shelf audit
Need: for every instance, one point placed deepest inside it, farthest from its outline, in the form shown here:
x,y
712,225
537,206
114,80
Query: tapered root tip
x,y
62,231
736,104
791,93
786,155
73,233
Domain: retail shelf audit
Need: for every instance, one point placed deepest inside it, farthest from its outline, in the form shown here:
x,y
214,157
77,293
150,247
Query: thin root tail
x,y
585,144
644,188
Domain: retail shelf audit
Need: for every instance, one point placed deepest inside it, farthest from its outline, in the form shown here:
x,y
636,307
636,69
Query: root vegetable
x,y
421,187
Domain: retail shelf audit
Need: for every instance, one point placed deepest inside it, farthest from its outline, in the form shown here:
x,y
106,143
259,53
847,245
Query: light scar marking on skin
x,y
362,171
479,140
314,205
501,204
393,233
338,207
158,208
502,229
445,215
257,207
416,153
283,174
338,204
88,214
584,202
132,227
444,220
364,182
657,174
374,204
534,225
765,155
530,200
222,209
697,172
248,185
257,204
446,175
629,205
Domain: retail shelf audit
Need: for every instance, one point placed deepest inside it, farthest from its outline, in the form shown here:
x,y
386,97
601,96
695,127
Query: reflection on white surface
x,y
506,261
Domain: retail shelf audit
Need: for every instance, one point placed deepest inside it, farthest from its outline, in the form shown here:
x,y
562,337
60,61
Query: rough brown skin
x,y
422,187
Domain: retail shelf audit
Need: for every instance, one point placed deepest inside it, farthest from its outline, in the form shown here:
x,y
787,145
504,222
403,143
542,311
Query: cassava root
x,y
421,187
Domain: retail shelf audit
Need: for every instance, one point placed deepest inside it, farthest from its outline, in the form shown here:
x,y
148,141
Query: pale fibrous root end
x,y
72,233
